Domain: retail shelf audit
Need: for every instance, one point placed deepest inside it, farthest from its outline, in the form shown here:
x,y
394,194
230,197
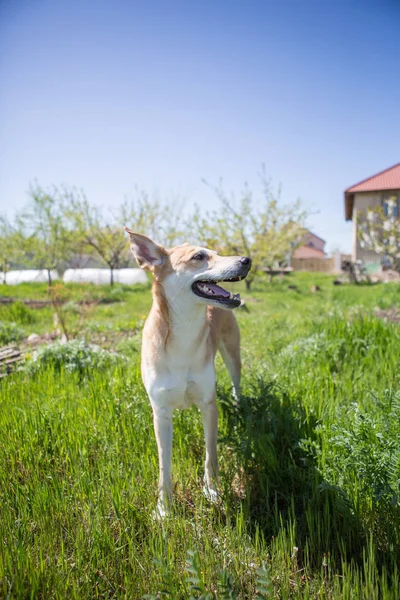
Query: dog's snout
x,y
245,260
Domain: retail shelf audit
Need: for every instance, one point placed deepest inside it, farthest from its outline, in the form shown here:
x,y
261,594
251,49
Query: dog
x,y
190,319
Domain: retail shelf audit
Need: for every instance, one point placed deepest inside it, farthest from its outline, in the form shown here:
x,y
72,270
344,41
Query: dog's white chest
x,y
181,386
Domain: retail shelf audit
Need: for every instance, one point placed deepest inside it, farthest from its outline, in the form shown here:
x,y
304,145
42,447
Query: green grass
x,y
310,459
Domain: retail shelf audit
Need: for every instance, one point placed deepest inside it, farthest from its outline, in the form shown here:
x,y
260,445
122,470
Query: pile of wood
x,y
10,356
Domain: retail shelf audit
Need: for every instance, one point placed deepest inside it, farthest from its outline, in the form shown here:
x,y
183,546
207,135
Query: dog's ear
x,y
147,253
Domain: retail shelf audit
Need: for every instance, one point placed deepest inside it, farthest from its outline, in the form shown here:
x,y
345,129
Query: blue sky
x,y
107,96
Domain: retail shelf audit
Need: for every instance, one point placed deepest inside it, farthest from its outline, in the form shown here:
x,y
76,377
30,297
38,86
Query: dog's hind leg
x,y
229,346
163,429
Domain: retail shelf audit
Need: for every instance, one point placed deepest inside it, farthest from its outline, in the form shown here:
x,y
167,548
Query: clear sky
x,y
111,95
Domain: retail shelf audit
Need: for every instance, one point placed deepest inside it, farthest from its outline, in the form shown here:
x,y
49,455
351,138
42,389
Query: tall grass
x,y
310,464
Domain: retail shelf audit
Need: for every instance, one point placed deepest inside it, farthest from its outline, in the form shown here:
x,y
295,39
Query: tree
x,y
156,218
107,240
263,230
48,234
379,231
11,246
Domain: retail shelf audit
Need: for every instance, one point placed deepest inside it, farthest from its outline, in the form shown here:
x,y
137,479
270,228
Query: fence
x,y
322,265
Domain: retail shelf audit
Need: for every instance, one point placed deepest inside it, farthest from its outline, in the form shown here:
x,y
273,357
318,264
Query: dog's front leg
x,y
210,423
163,429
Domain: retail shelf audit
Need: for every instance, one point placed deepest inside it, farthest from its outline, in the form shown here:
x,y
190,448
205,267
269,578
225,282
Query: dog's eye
x,y
198,256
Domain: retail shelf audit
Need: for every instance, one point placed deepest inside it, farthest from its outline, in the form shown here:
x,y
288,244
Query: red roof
x,y
389,179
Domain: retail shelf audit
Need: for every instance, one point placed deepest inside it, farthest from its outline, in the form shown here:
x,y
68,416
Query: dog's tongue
x,y
219,291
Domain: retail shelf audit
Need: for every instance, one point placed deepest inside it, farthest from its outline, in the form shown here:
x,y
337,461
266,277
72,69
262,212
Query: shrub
x,y
74,356
116,294
10,332
72,307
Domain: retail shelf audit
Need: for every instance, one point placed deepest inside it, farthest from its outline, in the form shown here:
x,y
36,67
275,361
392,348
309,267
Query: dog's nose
x,y
245,260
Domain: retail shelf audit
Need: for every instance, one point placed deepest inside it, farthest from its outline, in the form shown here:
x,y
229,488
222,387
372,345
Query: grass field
x,y
310,459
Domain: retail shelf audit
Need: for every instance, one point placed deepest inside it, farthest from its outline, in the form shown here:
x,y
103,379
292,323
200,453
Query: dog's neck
x,y
185,319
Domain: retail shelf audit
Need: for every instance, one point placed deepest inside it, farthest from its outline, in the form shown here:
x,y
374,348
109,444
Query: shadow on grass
x,y
278,484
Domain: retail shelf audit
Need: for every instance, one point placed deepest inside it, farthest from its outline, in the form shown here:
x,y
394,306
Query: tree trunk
x,y
248,283
49,277
111,276
269,273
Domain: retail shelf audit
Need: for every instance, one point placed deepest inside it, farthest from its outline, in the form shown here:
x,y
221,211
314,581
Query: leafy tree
x,y
106,237
379,231
49,236
264,230
11,246
159,219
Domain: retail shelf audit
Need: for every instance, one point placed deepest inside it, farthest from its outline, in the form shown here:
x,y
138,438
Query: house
x,y
312,247
371,192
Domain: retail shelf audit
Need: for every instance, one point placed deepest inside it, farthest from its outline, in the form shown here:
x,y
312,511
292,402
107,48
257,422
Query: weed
x,y
10,332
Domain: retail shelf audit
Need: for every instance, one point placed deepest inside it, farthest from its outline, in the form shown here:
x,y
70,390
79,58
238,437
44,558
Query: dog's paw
x,y
211,494
161,512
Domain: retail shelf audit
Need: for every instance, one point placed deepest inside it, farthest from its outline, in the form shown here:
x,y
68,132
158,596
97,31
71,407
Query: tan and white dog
x,y
187,324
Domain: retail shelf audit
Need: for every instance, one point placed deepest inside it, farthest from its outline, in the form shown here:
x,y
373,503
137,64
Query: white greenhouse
x,y
102,276
28,276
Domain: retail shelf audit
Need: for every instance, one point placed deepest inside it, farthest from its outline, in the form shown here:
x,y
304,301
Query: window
x,y
387,199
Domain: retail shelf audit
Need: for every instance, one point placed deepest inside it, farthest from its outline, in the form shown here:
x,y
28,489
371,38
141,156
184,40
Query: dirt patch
x,y
35,339
45,303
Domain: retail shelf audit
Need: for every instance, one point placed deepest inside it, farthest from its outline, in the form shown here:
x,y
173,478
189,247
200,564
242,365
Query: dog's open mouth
x,y
210,290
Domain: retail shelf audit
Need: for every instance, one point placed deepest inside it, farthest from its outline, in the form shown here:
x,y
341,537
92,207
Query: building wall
x,y
307,252
312,247
363,201
314,241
